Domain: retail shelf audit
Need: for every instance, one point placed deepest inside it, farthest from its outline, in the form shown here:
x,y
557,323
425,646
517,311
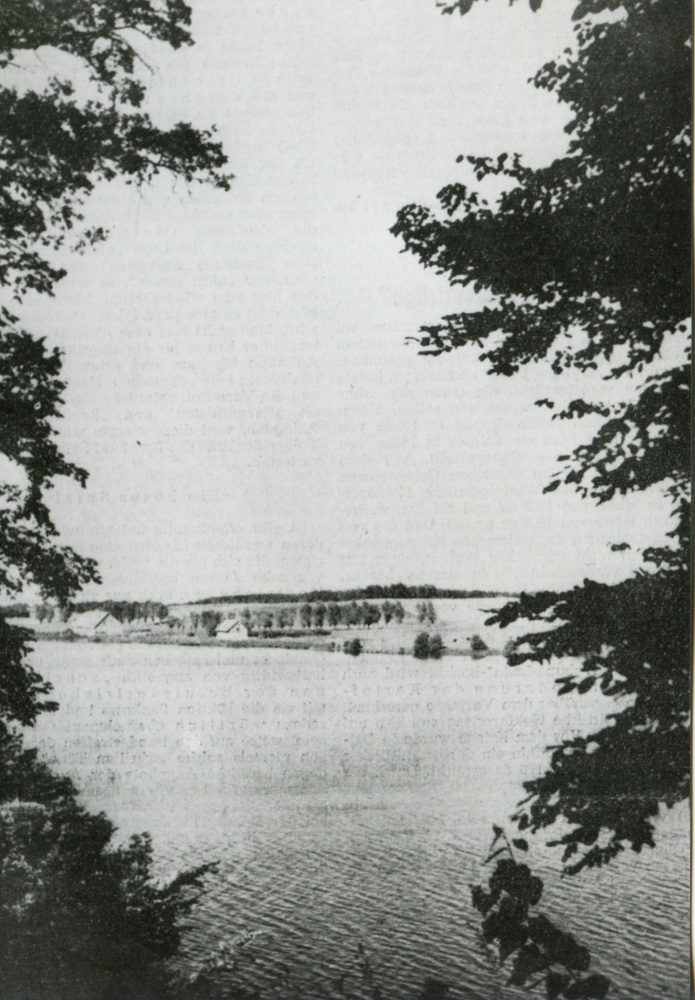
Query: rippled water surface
x,y
349,801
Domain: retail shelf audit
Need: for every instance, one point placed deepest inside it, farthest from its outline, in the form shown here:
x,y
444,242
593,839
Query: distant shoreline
x,y
319,645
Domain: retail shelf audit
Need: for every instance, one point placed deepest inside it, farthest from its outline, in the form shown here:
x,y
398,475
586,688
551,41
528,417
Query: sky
x,y
240,386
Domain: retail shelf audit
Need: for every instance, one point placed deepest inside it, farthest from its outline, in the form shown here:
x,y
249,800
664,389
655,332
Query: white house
x,y
94,623
231,629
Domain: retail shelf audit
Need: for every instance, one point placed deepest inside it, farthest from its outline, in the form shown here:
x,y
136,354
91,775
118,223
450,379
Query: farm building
x,y
95,623
231,629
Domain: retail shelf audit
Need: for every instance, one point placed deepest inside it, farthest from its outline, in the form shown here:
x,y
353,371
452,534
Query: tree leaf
x,y
586,685
566,688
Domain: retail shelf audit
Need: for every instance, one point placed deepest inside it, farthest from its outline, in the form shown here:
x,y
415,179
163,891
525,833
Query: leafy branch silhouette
x,y
541,953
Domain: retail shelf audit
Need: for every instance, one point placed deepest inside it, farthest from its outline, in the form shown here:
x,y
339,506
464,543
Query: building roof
x,y
229,625
89,619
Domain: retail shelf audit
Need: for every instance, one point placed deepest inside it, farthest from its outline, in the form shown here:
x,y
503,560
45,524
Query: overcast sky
x,y
239,384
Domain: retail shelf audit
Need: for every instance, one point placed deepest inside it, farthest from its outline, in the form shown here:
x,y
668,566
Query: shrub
x,y
436,647
478,647
425,647
78,916
353,647
421,646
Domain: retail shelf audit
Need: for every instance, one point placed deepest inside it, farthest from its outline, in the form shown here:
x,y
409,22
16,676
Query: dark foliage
x,y
209,620
632,642
542,953
78,919
31,394
353,647
587,263
76,916
124,611
21,688
598,240
425,612
56,147
371,614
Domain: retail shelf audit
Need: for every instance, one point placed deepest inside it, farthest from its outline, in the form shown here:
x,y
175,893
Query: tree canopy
x,y
600,239
586,264
57,143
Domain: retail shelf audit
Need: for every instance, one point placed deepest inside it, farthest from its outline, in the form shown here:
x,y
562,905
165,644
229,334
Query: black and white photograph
x,y
345,460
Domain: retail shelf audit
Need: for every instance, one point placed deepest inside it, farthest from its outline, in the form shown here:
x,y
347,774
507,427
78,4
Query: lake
x,y
349,802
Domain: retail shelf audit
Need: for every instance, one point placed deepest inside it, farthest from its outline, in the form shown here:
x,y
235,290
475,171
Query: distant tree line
x,y
375,592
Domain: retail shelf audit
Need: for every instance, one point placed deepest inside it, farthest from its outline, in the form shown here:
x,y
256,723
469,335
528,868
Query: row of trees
x,y
123,611
130,611
306,616
303,616
78,918
208,621
319,615
426,613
